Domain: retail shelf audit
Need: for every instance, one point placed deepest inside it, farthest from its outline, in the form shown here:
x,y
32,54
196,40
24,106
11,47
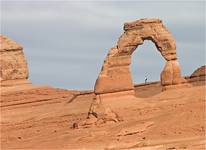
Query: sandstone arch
x,y
115,75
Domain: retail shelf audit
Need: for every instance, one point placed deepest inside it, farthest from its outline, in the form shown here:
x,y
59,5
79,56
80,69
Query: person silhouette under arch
x,y
145,80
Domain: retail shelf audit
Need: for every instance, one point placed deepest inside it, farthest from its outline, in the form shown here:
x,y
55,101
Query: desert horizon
x,y
79,34
84,83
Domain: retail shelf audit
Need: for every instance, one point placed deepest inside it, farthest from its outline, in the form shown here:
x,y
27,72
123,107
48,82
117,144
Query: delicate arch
x,y
115,75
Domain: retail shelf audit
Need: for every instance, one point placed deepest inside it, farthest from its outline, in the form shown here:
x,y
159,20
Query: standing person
x,y
145,81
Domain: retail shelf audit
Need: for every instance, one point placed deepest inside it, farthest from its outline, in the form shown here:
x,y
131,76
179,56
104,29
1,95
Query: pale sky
x,y
65,42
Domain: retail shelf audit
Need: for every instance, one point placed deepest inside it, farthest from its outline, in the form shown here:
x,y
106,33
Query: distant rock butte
x,y
13,63
199,72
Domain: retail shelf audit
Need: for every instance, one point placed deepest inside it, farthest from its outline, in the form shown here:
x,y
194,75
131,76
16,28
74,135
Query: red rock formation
x,y
13,63
199,72
115,75
198,75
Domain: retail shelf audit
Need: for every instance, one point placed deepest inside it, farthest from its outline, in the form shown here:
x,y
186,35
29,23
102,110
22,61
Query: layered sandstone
x,y
115,81
13,63
115,75
197,76
201,71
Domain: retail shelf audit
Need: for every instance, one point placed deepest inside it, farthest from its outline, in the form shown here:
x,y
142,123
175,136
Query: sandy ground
x,y
41,118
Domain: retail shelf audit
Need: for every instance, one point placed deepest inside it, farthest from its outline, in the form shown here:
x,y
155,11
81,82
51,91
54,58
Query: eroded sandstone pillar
x,y
171,74
115,75
13,65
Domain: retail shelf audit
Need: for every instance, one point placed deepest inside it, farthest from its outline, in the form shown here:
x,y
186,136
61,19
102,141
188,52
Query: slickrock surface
x,y
13,64
48,118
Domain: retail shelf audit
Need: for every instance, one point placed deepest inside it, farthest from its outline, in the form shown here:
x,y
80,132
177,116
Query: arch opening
x,y
146,63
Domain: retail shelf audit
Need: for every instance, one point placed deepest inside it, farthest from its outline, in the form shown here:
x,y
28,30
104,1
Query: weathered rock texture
x,y
199,72
198,75
115,75
13,63
100,112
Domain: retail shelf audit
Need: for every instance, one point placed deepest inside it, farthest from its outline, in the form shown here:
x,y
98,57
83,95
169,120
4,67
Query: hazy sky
x,y
65,42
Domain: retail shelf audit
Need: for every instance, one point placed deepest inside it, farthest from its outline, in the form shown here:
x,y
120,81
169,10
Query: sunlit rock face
x,y
201,71
115,75
13,63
